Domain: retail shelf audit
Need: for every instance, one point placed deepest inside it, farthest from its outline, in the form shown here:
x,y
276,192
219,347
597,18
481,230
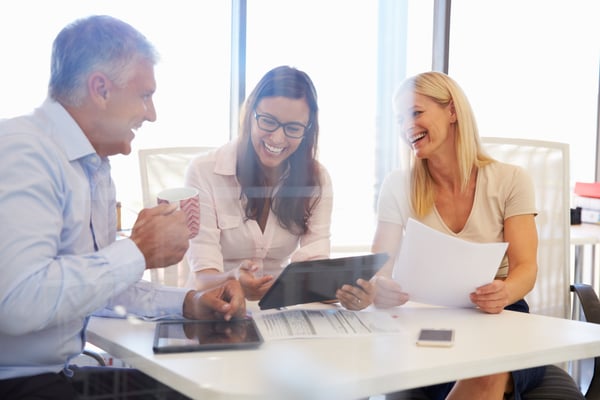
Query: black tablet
x,y
191,335
318,280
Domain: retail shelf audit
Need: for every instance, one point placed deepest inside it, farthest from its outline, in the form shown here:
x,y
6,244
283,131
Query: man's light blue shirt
x,y
60,262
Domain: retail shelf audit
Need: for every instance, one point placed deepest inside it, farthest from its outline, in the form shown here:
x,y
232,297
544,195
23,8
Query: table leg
x,y
593,269
577,278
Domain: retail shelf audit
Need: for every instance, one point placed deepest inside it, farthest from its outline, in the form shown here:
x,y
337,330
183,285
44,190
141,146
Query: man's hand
x,y
161,234
224,302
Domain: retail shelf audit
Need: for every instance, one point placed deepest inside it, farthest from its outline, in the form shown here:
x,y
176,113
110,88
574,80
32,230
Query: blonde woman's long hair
x,y
443,90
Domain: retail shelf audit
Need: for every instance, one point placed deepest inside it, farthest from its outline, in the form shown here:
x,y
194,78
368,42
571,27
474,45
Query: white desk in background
x,y
356,367
585,235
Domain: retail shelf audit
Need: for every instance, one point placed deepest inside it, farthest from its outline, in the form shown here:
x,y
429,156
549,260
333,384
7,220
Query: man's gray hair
x,y
95,44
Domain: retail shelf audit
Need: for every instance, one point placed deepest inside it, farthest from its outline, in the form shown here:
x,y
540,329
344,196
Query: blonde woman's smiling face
x,y
424,124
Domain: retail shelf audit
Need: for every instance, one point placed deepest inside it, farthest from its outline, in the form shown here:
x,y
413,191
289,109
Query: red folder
x,y
587,189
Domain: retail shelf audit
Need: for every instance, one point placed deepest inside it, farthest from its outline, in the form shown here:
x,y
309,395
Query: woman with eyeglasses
x,y
265,201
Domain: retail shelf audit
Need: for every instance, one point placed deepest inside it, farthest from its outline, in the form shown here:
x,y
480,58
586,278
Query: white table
x,y
585,235
355,367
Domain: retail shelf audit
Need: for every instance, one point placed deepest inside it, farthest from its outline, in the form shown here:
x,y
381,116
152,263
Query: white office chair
x,y
162,168
548,165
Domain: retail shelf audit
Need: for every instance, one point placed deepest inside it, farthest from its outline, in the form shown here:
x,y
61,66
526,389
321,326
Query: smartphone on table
x,y
436,337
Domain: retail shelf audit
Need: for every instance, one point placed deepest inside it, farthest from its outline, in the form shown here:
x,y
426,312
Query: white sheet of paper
x,y
306,323
436,268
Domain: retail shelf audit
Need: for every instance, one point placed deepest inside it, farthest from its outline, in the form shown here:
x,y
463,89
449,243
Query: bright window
x,y
344,47
356,51
192,97
324,41
530,69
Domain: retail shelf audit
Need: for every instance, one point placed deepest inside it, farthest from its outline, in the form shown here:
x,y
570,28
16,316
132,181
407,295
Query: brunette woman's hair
x,y
300,188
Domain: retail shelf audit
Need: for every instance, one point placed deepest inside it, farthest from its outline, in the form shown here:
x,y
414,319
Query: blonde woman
x,y
452,186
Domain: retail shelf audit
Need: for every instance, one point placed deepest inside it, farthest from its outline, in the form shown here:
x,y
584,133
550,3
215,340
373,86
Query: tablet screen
x,y
189,335
318,280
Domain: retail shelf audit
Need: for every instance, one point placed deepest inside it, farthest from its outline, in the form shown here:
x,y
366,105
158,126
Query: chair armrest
x,y
589,301
95,356
591,309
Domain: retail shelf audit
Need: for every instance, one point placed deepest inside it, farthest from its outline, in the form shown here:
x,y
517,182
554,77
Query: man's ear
x,y
98,86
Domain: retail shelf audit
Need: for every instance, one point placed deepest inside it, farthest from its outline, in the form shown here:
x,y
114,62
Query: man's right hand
x,y
225,302
161,234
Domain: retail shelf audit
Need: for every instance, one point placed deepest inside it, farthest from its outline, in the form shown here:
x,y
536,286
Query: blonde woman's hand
x,y
388,292
491,298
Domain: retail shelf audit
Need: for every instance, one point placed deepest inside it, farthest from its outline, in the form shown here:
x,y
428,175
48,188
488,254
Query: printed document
x,y
440,269
304,323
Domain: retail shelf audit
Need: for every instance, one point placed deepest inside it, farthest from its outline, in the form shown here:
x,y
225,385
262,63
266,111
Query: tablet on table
x,y
199,335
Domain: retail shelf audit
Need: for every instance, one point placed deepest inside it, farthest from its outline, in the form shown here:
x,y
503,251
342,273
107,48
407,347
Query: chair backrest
x,y
163,168
548,165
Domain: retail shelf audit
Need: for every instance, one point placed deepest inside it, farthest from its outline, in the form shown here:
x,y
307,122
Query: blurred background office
x,y
530,68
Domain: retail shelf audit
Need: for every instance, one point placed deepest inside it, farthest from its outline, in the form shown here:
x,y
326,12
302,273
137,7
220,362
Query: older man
x,y
60,261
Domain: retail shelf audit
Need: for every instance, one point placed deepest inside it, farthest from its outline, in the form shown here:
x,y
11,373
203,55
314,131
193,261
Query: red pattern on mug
x,y
188,201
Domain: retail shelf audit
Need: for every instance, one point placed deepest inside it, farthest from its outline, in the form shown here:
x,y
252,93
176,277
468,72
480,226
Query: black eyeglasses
x,y
294,130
